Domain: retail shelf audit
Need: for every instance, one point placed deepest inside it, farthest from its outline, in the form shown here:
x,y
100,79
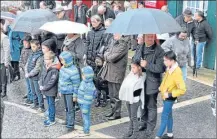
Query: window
x,y
196,5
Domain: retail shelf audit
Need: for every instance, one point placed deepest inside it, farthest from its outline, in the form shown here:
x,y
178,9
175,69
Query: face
x,y
197,17
62,61
95,23
116,8
95,3
45,49
149,39
117,36
104,3
107,24
167,62
34,47
187,18
47,60
140,40
78,2
182,36
60,14
26,44
140,6
135,68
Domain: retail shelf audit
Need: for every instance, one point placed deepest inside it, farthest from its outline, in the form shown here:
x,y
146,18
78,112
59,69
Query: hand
x,y
143,63
84,57
41,88
65,49
196,42
6,65
104,64
60,94
166,95
74,99
27,75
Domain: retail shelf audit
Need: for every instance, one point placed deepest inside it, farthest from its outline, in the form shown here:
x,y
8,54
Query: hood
x,y
88,73
56,64
67,57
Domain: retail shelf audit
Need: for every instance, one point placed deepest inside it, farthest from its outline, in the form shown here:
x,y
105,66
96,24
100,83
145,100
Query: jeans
x,y
86,117
184,72
166,118
70,110
29,91
51,107
37,95
199,53
132,110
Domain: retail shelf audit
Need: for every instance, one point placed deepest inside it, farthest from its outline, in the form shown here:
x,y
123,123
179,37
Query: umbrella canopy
x,y
31,20
144,21
65,27
7,15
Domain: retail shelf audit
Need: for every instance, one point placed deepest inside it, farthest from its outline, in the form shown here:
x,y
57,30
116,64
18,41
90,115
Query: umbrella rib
x,y
155,21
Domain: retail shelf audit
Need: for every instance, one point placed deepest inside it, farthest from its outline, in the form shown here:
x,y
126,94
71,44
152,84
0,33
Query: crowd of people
x,y
81,68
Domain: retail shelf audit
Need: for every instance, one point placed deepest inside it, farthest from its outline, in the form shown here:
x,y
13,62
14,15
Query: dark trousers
x,y
132,110
114,98
70,110
3,79
15,65
149,113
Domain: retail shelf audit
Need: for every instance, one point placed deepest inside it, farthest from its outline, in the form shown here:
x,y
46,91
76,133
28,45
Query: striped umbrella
x,y
31,20
7,15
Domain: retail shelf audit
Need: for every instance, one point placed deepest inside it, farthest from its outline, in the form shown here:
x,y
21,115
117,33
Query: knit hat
x,y
88,73
50,43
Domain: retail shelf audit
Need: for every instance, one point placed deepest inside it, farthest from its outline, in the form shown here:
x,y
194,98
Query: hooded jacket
x,y
87,88
69,78
83,18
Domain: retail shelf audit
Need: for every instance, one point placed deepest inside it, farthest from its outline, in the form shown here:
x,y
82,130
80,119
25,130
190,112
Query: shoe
x,y
3,95
142,128
97,104
109,115
17,78
135,135
33,106
28,102
25,97
114,118
70,129
87,133
128,134
48,123
148,133
41,110
165,136
64,123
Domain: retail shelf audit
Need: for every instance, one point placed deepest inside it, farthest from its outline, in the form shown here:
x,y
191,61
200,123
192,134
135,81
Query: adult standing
x,y
93,10
5,60
203,35
114,72
42,5
117,9
94,40
152,63
80,11
180,45
105,13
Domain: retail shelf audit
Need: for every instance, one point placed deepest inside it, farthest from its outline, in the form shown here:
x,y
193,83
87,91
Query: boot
x,y
135,135
4,90
104,99
97,103
130,131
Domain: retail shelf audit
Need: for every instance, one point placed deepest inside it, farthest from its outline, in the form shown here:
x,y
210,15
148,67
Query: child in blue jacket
x,y
86,94
69,81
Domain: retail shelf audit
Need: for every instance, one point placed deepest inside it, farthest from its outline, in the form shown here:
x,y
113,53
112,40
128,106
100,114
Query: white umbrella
x,y
65,27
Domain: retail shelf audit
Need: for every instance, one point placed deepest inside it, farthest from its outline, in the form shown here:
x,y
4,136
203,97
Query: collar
x,y
172,69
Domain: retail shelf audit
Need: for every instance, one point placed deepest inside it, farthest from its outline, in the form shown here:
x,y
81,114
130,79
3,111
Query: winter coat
x,y
155,67
93,42
191,28
15,45
83,18
116,58
69,78
77,48
203,31
181,48
34,64
25,54
173,83
49,81
213,97
5,49
87,89
108,14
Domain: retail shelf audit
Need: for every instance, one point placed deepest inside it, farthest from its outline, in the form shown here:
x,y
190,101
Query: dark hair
x,y
200,13
170,55
2,21
35,41
27,38
135,62
184,30
141,2
50,43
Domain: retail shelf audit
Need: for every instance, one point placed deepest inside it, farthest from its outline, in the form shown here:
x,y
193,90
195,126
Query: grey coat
x,y
5,50
116,58
181,48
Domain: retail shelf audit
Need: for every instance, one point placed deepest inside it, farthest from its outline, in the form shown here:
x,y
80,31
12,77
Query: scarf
x,y
67,40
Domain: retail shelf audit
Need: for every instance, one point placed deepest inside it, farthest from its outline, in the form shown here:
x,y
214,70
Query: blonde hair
x,y
50,55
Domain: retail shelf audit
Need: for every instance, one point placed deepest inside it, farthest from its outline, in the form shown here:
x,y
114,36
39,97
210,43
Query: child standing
x,y
171,87
86,94
32,70
69,81
49,85
26,52
132,91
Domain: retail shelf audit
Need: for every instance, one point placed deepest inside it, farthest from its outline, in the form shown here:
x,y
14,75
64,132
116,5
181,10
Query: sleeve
x,y
180,84
25,68
53,80
87,41
167,45
80,50
193,31
158,66
6,47
75,78
189,54
37,68
115,56
208,31
137,56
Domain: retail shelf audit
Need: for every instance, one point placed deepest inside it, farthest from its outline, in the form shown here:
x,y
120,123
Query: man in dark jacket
x,y
152,63
93,10
185,20
203,35
94,40
80,11
105,13
114,72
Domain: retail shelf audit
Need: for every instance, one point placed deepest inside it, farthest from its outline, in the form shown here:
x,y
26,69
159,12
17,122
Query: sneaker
x,y
64,123
48,123
25,97
33,106
70,129
41,110
128,134
28,102
165,136
87,133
